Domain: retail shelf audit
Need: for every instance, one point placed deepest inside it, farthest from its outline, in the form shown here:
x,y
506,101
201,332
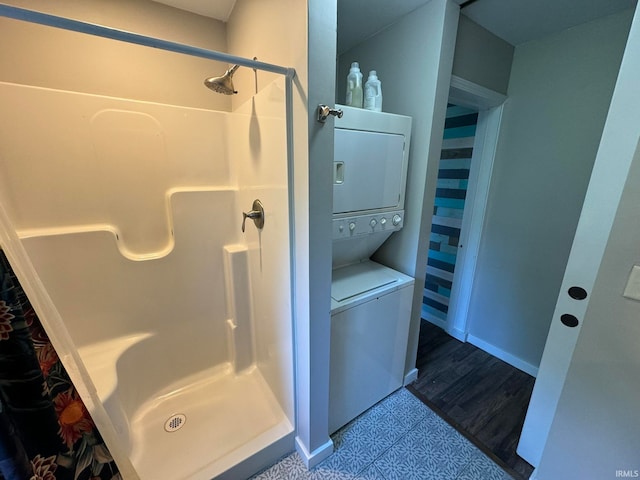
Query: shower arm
x,y
33,16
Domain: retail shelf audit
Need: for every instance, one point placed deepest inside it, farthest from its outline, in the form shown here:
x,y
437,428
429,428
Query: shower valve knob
x,y
256,214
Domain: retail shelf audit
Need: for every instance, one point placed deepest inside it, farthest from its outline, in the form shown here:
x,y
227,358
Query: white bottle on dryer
x,y
354,86
373,93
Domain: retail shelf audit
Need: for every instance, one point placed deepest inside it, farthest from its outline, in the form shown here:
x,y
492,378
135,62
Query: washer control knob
x,y
340,228
383,221
352,226
373,223
396,220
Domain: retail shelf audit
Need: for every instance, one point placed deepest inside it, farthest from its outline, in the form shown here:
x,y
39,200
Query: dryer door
x,y
368,169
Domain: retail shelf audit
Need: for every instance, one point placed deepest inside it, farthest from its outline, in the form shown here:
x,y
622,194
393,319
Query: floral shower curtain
x,y
46,432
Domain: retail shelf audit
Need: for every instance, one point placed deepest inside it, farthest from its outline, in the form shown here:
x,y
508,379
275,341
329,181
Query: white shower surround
x,y
130,213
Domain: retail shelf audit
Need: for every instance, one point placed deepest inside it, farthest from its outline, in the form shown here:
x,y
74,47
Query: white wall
x,y
595,430
559,93
43,56
285,40
275,31
169,78
250,34
258,151
418,86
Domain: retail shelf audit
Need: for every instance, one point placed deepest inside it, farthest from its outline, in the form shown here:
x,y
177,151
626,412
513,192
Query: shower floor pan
x,y
227,418
199,427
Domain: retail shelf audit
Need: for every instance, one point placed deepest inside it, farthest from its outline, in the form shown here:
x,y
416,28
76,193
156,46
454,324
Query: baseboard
x,y
444,325
438,322
410,377
457,334
512,360
311,459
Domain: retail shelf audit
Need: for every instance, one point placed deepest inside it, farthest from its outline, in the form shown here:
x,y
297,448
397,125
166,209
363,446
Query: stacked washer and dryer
x,y
370,303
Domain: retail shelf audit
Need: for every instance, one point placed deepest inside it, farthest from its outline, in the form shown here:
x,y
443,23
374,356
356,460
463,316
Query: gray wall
x,y
559,94
481,57
313,334
416,86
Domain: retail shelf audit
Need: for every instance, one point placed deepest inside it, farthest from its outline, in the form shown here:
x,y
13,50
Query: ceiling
x,y
515,21
219,9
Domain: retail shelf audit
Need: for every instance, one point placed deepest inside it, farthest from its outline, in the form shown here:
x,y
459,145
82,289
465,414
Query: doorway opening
x,y
482,396
448,209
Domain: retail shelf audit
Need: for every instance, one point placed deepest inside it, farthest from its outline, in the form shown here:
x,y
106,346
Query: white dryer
x,y
370,303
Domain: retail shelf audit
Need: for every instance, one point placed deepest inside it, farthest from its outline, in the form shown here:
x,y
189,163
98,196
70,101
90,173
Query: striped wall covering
x,y
453,175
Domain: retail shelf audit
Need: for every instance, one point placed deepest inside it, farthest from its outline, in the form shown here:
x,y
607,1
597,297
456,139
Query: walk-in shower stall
x,y
131,214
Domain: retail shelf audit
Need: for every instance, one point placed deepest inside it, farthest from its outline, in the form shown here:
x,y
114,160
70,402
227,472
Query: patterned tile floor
x,y
398,438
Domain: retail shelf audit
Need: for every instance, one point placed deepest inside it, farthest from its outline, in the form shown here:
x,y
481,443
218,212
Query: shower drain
x,y
175,422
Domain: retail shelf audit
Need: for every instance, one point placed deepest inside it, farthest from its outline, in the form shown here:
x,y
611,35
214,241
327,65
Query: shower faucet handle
x,y
256,214
325,110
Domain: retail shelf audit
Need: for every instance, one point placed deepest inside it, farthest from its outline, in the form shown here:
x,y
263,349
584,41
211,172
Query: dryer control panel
x,y
358,225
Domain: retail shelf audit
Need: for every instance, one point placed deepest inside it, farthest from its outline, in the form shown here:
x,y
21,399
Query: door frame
x,y
490,105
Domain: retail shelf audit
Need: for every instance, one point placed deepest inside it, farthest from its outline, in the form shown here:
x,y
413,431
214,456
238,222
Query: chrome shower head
x,y
223,84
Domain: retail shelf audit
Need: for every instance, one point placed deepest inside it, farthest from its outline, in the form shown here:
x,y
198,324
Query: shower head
x,y
223,84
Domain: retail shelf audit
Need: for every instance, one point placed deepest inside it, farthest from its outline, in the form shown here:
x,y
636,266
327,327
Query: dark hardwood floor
x,y
483,397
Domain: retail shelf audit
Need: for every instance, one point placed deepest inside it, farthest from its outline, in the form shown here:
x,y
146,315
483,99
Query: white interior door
x,y
611,169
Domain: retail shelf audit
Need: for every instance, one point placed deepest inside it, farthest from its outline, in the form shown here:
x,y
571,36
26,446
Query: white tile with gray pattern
x,y
398,438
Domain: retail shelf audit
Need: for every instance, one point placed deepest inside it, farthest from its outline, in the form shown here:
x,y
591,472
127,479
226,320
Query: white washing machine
x,y
370,303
